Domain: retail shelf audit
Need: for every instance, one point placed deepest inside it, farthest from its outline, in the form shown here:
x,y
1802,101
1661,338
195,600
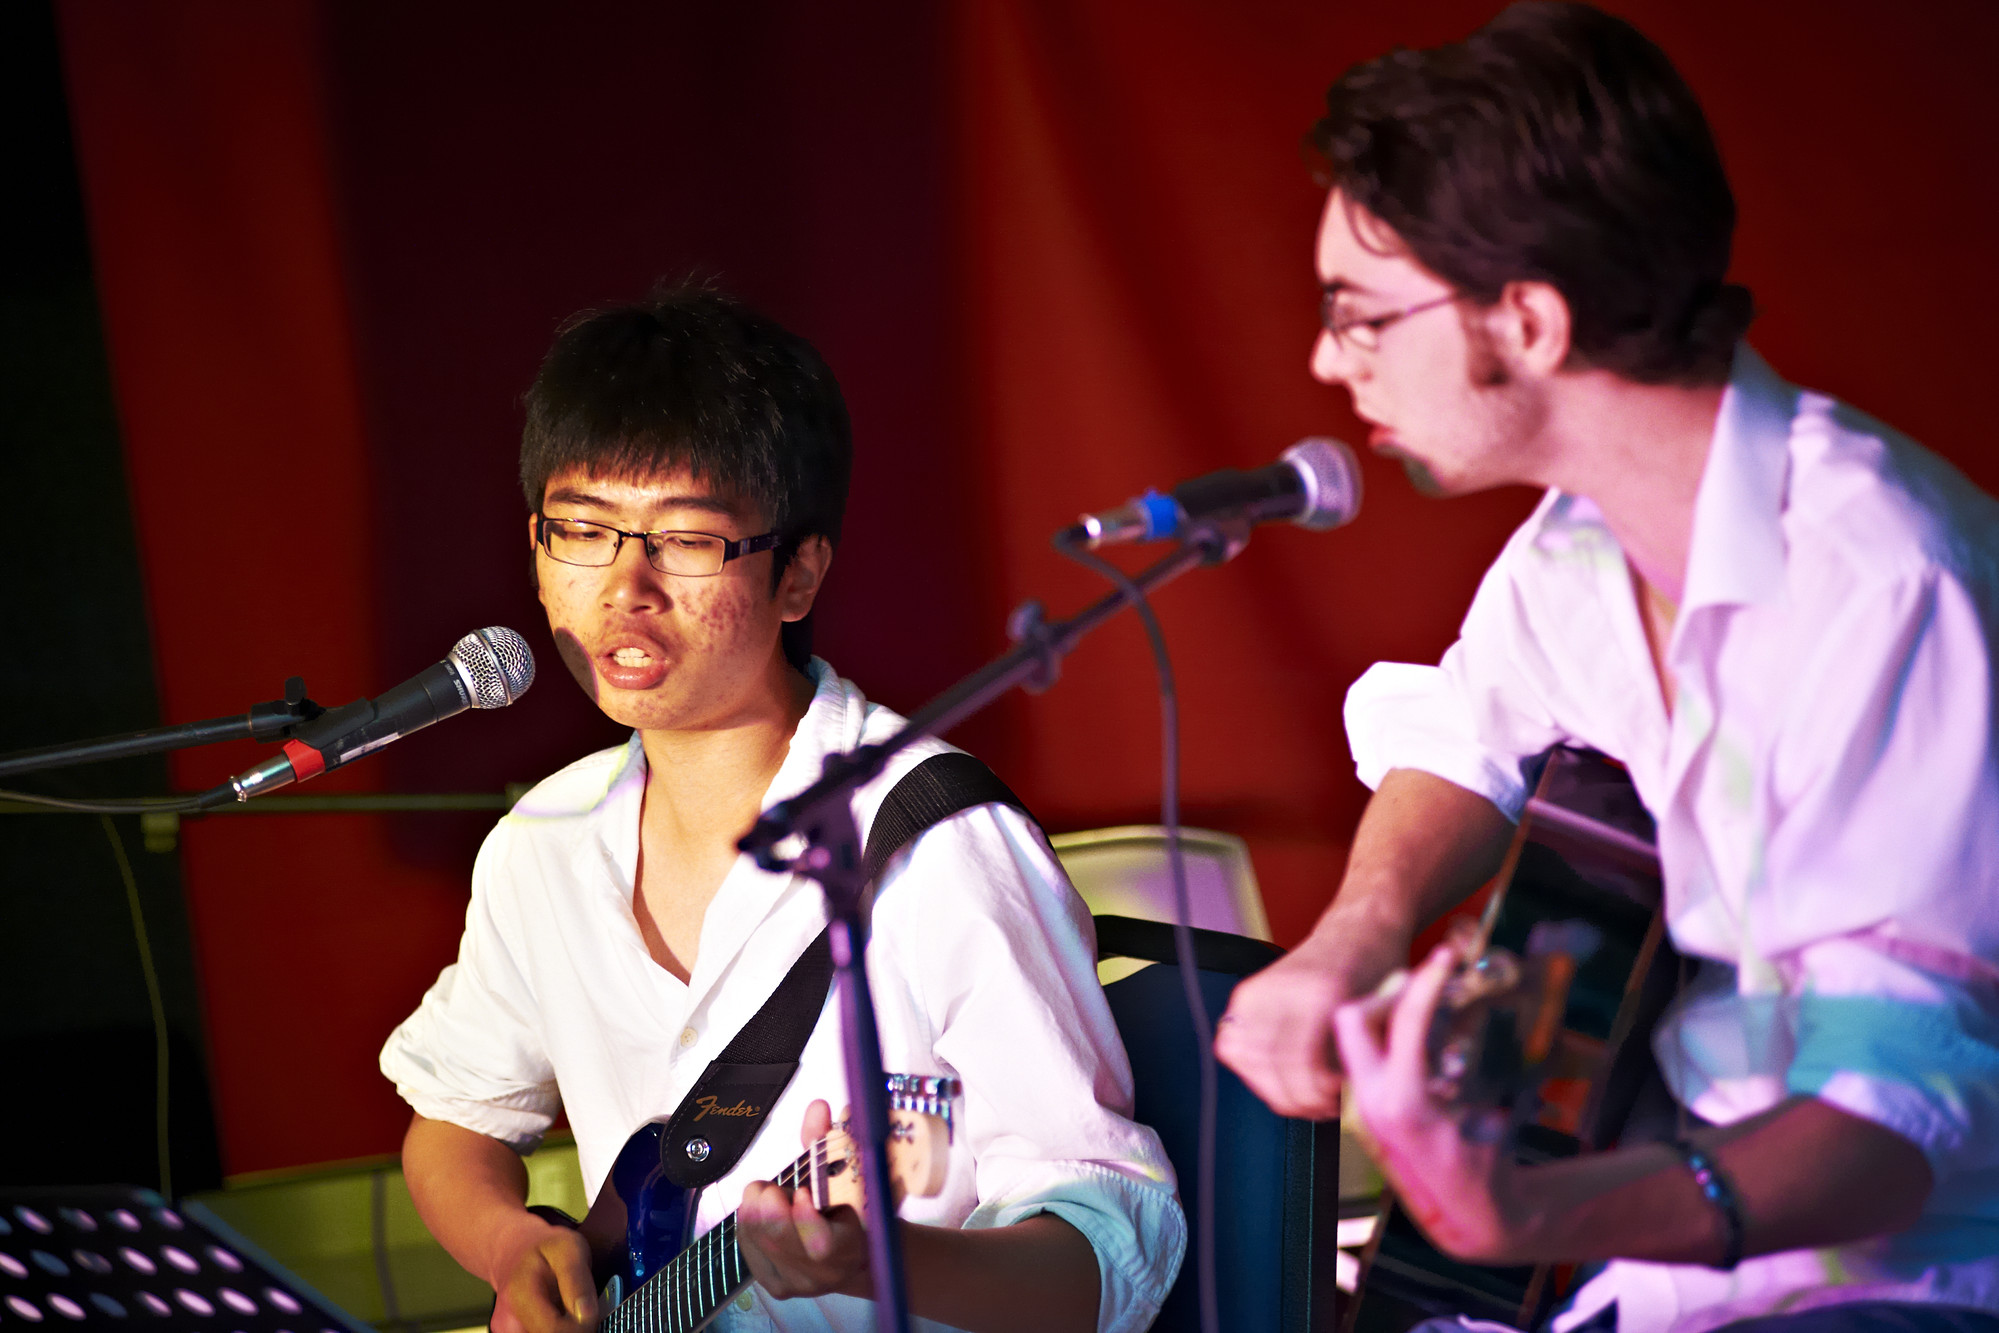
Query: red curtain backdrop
x,y
202,144
1137,243
1057,250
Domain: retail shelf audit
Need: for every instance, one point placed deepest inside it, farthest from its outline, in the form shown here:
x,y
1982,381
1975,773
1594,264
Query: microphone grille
x,y
497,665
1332,482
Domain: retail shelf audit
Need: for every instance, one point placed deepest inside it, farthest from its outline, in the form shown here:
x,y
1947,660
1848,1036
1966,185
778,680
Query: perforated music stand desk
x,y
110,1256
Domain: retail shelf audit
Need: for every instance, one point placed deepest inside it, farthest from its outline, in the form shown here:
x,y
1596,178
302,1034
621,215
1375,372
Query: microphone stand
x,y
264,722
823,816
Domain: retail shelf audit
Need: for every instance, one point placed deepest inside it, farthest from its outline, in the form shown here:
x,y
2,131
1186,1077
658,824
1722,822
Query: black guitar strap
x,y
720,1116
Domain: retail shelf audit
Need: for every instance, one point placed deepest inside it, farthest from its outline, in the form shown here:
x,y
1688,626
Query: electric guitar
x,y
664,1284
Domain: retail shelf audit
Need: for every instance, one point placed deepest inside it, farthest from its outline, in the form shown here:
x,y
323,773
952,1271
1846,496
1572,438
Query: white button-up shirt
x,y
982,967
1827,798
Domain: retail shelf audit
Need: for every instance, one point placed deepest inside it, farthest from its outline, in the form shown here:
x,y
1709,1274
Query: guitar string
x,y
674,1282
734,1268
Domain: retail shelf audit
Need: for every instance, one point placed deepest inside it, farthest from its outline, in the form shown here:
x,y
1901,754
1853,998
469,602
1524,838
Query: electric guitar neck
x,y
687,1292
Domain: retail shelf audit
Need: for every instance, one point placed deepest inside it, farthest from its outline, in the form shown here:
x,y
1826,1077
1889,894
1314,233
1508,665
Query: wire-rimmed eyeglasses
x,y
576,541
1362,333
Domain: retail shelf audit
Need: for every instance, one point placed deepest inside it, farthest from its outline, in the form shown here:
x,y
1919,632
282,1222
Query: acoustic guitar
x,y
1544,1031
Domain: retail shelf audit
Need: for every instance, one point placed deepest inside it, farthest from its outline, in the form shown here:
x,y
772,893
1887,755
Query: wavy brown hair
x,y
1555,144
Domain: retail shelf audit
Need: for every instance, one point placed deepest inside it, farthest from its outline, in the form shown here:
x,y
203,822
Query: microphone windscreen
x,y
496,664
1332,482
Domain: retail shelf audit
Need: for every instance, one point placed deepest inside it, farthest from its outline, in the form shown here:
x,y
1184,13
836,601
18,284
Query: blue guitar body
x,y
659,1215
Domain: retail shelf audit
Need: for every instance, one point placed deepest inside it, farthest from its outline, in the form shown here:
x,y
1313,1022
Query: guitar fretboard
x,y
704,1277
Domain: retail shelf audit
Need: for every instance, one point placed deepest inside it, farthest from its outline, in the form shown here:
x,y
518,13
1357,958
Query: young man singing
x,y
686,464
1777,613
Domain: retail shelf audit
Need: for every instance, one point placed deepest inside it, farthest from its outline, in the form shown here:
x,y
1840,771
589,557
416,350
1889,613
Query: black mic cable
x,y
1208,1300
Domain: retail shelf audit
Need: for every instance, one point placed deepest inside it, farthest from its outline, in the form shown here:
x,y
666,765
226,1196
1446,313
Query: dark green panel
x,y
77,1037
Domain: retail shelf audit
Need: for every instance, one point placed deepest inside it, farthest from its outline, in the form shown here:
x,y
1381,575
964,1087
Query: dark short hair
x,y
1555,144
693,378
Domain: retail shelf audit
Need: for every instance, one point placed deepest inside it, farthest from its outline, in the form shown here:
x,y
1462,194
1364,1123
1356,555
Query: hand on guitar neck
x,y
806,1241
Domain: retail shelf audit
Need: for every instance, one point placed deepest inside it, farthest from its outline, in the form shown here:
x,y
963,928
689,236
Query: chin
x,y
652,710
1437,485
1425,479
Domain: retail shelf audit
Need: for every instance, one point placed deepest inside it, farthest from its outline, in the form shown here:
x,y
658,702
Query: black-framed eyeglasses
x,y
577,541
1363,332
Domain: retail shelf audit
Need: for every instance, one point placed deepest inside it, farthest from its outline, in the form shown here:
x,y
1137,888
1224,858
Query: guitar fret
x,y
718,1278
687,1295
708,1300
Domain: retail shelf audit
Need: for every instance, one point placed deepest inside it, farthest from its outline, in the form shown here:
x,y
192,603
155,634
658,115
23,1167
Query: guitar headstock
x,y
919,1146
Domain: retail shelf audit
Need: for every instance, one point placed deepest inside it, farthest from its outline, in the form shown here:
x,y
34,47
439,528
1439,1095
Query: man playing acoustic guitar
x,y
1778,614
685,461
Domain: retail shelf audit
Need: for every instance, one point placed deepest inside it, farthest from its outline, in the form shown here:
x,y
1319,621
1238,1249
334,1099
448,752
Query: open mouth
x,y
632,666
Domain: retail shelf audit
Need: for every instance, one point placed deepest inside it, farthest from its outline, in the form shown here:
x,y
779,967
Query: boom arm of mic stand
x,y
823,815
263,722
1034,664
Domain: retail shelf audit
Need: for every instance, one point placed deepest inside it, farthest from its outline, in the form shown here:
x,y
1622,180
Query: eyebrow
x,y
707,504
1340,286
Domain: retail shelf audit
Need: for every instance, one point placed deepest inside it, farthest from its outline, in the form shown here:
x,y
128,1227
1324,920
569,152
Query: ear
x,y
803,577
1535,326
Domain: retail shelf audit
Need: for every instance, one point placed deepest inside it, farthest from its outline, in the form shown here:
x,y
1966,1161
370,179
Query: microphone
x,y
1316,484
488,668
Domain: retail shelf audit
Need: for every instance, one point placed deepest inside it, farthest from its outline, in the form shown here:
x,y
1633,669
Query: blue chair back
x,y
1276,1180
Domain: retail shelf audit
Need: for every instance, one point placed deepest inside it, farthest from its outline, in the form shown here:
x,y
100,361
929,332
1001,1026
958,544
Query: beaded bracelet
x,y
1717,1190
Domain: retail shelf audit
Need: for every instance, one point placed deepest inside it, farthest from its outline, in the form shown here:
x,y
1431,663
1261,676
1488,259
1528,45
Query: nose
x,y
630,582
1330,361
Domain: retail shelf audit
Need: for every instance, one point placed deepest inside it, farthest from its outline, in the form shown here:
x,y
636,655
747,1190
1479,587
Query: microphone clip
x,y
1219,539
280,718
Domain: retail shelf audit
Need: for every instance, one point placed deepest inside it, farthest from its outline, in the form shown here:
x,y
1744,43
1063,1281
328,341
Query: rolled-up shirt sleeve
x,y
1908,1041
471,1054
1473,717
1008,973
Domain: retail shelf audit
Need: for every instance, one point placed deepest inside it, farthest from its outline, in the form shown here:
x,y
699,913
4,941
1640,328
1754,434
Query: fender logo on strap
x,y
708,1108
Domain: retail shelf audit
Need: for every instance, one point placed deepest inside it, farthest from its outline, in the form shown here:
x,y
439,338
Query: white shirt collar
x,y
1736,555
832,725
1736,552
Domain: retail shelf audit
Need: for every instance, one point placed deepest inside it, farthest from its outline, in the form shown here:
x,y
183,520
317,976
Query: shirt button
x,y
743,1302
688,1036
